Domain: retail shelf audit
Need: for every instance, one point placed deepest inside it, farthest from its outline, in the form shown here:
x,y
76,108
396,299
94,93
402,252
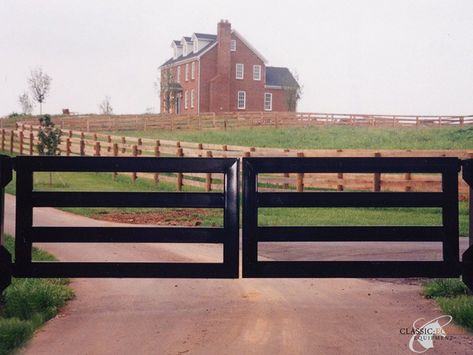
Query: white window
x,y
186,97
240,71
233,45
178,74
192,98
268,101
241,104
187,72
193,70
196,45
256,72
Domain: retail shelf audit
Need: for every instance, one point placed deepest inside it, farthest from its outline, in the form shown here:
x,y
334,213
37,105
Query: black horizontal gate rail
x,y
27,233
447,200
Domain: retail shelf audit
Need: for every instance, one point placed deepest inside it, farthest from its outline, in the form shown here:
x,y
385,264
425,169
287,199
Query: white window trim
x,y
178,79
193,70
186,99
233,45
242,71
259,72
270,101
187,72
192,98
195,44
244,100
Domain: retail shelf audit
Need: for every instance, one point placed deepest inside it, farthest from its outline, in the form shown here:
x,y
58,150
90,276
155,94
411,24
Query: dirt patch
x,y
167,218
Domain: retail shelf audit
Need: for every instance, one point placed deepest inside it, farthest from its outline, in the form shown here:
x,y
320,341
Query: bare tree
x,y
39,83
106,106
292,91
25,103
167,89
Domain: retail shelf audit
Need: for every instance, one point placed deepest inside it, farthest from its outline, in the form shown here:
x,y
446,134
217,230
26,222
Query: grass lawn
x,y
453,298
325,137
27,303
275,216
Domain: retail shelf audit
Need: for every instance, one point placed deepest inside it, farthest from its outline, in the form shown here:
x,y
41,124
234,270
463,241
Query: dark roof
x,y
188,39
177,42
276,76
189,56
206,36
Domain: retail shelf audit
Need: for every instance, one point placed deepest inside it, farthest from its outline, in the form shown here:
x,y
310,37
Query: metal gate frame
x,y
27,199
448,233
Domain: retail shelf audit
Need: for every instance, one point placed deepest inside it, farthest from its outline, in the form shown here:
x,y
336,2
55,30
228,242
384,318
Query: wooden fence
x,y
232,120
24,139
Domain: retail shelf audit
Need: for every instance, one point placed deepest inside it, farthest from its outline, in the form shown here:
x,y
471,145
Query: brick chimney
x,y
224,36
220,84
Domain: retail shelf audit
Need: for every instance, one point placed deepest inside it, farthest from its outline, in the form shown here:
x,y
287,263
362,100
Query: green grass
x,y
28,303
329,137
453,298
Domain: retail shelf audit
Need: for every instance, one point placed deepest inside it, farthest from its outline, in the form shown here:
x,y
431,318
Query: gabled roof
x,y
187,39
177,43
206,36
258,54
190,55
277,76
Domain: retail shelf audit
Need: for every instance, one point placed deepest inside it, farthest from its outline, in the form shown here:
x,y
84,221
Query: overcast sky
x,y
371,56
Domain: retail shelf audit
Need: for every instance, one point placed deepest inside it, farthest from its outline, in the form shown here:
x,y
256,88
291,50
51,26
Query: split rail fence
x,y
232,120
23,140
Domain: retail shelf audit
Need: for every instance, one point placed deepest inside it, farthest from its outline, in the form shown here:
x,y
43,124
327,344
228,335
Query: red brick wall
x,y
188,86
279,100
254,88
208,70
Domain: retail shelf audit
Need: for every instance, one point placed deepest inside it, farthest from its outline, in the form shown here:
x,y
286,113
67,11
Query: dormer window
x,y
184,50
196,45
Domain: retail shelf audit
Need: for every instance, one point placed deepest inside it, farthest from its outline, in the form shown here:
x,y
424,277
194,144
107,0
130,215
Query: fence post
x,y
31,143
340,184
408,178
134,151
417,121
82,147
208,176
461,121
68,146
286,175
157,154
377,177
200,147
12,138
21,142
88,125
180,176
109,140
115,154
123,145
300,176
97,149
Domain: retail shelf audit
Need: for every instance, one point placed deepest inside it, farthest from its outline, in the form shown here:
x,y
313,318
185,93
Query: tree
x,y
49,140
39,83
106,106
167,89
292,91
25,103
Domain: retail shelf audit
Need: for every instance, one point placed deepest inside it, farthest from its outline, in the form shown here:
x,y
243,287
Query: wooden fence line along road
x,y
78,143
231,120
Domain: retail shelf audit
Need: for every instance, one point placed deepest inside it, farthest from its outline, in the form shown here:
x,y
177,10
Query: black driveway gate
x,y
448,233
27,233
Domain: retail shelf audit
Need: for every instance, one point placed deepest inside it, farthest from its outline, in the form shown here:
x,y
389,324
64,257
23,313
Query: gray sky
x,y
371,56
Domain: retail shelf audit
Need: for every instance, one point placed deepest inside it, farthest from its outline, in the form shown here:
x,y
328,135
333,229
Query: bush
x,y
445,288
460,308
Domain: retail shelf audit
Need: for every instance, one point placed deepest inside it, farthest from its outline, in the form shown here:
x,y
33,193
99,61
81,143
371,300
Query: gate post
x,y
467,257
5,257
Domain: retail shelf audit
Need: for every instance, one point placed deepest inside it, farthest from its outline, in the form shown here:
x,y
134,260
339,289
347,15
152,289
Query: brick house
x,y
223,73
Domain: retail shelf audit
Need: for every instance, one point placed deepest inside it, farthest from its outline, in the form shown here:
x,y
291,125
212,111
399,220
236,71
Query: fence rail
x,y
230,120
23,139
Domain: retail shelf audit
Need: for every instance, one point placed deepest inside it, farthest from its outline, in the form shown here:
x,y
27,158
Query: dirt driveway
x,y
245,316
